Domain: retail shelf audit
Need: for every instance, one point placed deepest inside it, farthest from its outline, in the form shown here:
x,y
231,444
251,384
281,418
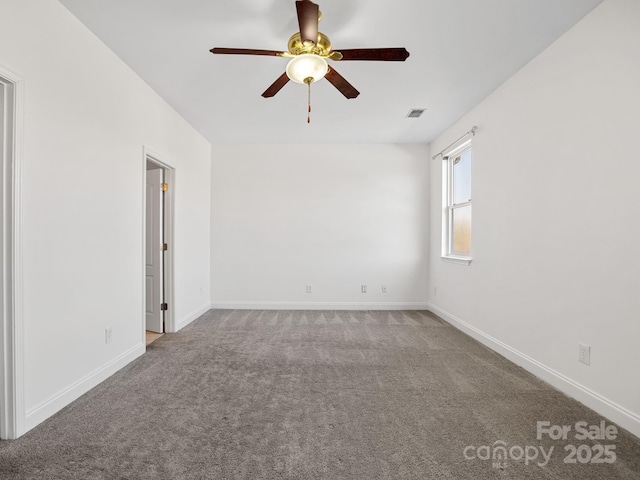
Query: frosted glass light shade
x,y
307,66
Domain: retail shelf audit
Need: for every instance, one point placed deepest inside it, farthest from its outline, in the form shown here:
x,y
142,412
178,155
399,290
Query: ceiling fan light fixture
x,y
307,68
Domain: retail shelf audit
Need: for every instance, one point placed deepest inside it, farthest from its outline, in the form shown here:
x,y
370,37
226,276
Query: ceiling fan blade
x,y
341,84
246,51
276,86
381,54
308,20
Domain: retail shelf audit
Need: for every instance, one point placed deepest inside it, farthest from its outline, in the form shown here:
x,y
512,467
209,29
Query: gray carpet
x,y
314,395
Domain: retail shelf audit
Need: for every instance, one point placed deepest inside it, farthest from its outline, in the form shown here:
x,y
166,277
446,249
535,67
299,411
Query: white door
x,y
154,252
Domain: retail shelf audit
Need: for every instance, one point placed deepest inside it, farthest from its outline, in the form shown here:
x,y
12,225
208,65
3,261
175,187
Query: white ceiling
x,y
461,50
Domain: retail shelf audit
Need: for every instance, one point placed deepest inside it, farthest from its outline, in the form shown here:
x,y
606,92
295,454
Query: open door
x,y
155,304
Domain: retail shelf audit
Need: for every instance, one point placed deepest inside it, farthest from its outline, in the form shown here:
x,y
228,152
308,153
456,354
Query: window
x,y
456,225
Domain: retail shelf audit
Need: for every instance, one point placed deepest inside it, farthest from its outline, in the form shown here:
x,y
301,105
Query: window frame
x,y
448,205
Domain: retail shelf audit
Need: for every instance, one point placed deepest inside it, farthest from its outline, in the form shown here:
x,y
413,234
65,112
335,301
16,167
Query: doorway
x,y
158,247
11,329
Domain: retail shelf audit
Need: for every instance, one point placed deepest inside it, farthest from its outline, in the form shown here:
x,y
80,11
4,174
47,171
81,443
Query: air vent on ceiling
x,y
415,112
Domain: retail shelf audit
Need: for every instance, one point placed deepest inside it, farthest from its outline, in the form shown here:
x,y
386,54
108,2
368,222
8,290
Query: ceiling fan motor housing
x,y
322,46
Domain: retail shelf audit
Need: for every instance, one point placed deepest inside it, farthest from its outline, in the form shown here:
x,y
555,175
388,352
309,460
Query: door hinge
x,y
165,187
165,247
163,306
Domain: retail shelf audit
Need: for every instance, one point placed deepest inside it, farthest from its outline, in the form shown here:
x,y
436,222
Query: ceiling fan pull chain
x,y
309,103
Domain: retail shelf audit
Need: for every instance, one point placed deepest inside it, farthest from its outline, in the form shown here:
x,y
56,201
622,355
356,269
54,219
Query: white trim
x,y
248,305
450,147
458,260
12,416
457,148
46,409
614,412
170,323
187,319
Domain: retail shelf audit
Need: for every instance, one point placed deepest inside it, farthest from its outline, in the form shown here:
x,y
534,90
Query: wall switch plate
x,y
107,335
309,289
584,354
435,291
363,288
384,289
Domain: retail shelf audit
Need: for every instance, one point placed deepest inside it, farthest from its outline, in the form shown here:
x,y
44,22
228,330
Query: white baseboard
x,y
187,319
49,407
221,305
602,405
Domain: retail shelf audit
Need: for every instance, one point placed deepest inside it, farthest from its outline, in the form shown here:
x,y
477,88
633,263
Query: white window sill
x,y
458,260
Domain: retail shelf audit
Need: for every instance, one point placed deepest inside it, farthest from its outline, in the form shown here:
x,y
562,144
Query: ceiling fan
x,y
309,50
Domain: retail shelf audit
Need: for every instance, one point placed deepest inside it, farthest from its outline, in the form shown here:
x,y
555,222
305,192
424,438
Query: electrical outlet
x,y
384,289
107,335
363,288
584,354
309,289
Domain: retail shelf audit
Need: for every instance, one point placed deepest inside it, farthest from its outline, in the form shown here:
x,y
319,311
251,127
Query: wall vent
x,y
415,112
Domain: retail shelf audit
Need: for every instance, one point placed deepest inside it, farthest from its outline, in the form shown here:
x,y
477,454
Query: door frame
x,y
12,402
168,225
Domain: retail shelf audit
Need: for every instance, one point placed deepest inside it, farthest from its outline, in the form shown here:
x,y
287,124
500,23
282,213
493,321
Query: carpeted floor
x,y
317,395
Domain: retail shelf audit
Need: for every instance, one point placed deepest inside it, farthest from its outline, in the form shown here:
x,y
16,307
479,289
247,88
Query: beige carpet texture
x,y
248,394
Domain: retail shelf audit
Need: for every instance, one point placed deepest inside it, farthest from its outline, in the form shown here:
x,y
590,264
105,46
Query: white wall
x,y
555,216
332,216
87,117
